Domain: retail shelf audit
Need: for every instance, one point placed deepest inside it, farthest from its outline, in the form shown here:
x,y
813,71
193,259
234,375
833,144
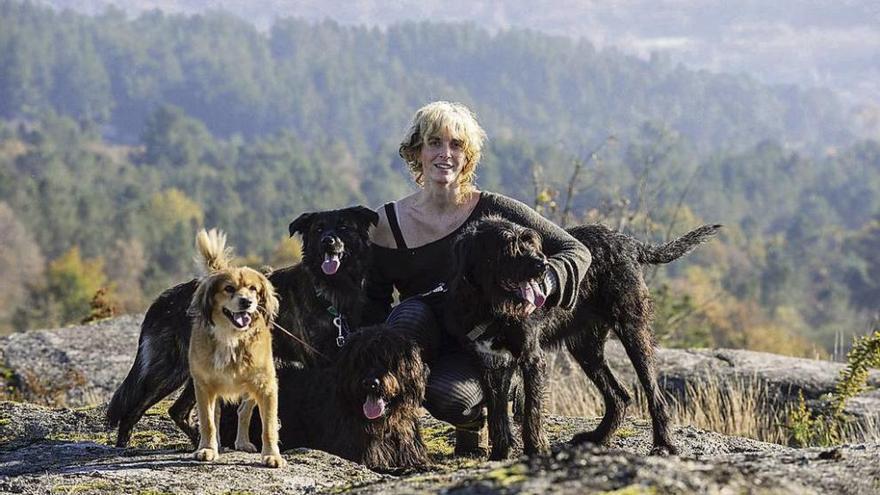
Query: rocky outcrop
x,y
82,365
73,366
67,451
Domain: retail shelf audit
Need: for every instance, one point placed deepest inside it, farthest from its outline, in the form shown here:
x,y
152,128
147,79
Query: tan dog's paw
x,y
206,455
246,447
274,461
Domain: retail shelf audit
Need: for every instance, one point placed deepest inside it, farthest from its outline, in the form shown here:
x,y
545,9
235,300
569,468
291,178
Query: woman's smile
x,y
446,156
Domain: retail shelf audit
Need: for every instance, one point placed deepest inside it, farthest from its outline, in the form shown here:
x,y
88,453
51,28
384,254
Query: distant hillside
x,y
809,43
312,79
170,123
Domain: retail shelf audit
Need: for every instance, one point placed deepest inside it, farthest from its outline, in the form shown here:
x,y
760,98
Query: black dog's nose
x,y
330,241
371,384
244,303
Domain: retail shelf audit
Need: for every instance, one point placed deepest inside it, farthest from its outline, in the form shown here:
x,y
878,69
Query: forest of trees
x,y
119,138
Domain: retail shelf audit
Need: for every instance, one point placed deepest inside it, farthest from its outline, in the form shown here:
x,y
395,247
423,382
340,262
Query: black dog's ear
x,y
365,214
301,224
463,249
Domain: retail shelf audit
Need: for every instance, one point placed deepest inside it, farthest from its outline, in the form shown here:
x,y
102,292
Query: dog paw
x,y
664,450
593,437
246,447
206,455
474,451
541,448
274,461
500,454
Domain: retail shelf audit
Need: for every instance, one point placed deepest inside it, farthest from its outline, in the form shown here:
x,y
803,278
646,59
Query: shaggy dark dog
x,y
364,408
320,300
496,307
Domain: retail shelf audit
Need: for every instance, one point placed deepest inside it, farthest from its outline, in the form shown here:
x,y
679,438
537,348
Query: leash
x,y
478,330
301,341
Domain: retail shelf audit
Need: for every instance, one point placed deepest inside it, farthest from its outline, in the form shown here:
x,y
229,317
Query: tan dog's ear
x,y
268,299
201,308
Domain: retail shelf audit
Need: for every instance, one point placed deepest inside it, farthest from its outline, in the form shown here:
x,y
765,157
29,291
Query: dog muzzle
x,y
331,263
532,292
240,320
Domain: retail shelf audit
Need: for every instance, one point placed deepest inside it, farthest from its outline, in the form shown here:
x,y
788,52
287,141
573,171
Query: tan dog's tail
x,y
214,255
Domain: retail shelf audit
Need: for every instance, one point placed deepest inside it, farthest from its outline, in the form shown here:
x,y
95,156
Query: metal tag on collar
x,y
441,287
340,338
478,331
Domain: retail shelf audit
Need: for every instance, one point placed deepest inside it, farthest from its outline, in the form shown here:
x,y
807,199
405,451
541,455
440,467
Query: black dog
x,y
364,408
496,293
320,300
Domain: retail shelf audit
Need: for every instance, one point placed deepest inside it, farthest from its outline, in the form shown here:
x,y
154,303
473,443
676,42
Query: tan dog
x,y
230,349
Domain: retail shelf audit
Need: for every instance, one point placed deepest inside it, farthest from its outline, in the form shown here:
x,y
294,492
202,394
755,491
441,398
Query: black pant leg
x,y
453,392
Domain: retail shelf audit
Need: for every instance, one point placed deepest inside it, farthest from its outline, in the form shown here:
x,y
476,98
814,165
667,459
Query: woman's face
x,y
442,158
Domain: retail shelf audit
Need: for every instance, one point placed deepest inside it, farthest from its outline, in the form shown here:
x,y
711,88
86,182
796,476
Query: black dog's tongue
x,y
330,264
533,294
374,407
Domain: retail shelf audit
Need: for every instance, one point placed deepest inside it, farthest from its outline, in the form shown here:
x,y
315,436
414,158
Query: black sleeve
x,y
378,290
568,258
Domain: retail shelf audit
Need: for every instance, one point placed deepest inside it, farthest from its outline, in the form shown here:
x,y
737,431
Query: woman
x,y
412,251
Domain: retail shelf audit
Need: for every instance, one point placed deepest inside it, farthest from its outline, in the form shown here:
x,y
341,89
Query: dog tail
x,y
672,250
160,366
132,391
158,370
127,396
214,255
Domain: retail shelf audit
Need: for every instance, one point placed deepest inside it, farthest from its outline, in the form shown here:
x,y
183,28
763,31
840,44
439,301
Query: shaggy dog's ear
x,y
365,214
268,300
301,224
201,308
421,373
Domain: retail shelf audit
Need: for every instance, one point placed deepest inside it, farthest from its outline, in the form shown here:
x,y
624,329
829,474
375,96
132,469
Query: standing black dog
x,y
365,407
320,300
496,301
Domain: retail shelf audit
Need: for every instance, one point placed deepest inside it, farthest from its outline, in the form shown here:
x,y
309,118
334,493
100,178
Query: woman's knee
x,y
458,415
416,320
453,393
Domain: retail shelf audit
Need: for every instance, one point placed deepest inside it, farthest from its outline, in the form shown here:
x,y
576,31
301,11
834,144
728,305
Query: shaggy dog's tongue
x,y
374,407
330,264
532,292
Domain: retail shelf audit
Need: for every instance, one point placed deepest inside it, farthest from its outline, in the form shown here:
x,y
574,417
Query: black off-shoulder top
x,y
414,271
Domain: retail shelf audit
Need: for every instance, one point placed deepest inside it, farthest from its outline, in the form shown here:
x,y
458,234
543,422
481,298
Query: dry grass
x,y
741,407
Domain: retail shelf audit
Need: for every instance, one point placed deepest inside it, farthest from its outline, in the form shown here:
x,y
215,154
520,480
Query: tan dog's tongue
x,y
330,264
241,319
373,408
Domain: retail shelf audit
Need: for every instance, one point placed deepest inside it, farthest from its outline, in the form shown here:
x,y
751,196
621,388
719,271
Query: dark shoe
x,y
471,443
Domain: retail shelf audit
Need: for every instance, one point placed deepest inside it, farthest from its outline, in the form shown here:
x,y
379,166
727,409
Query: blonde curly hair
x,y
431,120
